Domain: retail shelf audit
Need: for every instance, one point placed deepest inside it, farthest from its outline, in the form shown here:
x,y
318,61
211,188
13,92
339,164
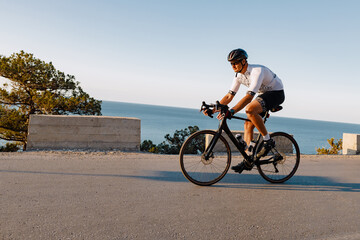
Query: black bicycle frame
x,y
224,126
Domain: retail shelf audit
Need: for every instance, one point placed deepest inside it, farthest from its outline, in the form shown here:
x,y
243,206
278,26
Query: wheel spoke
x,y
287,147
193,164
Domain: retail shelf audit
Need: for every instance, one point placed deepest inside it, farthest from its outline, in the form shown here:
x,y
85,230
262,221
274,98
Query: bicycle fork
x,y
208,153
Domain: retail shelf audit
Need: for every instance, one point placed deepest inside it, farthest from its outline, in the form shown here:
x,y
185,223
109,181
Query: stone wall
x,y
351,143
55,132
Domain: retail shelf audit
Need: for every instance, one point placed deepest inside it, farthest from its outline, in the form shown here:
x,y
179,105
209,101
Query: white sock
x,y
266,137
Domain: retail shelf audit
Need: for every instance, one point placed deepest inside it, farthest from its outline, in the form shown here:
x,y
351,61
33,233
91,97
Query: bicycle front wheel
x,y
204,160
281,163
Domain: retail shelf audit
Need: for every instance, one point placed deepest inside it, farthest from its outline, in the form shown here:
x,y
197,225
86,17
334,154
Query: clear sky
x,y
173,52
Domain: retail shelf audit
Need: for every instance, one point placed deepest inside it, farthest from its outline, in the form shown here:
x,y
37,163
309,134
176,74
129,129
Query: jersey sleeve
x,y
257,78
235,85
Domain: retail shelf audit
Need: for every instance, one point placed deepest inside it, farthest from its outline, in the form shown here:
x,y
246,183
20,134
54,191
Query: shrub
x,y
148,146
10,147
172,144
335,147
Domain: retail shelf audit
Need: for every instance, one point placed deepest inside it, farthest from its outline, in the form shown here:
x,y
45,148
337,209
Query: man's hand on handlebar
x,y
209,110
228,114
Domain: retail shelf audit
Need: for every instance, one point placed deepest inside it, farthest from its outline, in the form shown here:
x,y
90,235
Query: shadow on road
x,y
245,181
255,181
296,183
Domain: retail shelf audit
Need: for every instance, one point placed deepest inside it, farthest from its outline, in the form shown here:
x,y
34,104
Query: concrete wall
x,y
351,143
54,132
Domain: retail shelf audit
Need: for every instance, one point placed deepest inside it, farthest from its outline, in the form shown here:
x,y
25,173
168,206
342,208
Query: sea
x,y
157,121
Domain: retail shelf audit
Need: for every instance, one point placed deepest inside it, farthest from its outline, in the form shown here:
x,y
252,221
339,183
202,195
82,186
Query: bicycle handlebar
x,y
209,108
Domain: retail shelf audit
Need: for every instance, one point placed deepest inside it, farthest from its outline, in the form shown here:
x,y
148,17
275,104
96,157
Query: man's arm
x,y
227,99
243,102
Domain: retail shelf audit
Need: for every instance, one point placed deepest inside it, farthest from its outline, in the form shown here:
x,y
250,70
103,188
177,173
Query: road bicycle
x,y
205,157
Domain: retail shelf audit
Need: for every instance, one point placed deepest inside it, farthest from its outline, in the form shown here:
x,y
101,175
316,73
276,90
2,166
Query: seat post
x,y
267,115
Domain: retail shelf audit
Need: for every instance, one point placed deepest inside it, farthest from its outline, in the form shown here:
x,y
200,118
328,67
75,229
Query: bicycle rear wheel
x,y
194,165
281,163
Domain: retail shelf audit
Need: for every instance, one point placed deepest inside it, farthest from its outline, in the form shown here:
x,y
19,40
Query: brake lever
x,y
222,108
205,107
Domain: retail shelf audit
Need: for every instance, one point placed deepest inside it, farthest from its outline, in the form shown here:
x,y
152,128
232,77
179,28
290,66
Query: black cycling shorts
x,y
271,99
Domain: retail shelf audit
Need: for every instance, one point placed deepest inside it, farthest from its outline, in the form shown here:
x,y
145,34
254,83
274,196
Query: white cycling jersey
x,y
258,79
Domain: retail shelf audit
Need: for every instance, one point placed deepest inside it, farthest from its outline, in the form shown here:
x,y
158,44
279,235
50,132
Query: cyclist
x,y
259,80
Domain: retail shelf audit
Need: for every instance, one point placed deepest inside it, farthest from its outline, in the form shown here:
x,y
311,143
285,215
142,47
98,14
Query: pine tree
x,y
33,86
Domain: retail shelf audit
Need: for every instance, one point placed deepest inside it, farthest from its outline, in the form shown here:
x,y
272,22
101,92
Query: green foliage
x,y
36,87
10,147
148,146
335,147
172,145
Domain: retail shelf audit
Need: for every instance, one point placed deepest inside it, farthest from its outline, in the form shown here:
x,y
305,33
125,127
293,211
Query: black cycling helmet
x,y
237,54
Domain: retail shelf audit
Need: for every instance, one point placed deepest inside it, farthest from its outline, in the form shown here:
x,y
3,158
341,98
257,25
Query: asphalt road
x,y
52,195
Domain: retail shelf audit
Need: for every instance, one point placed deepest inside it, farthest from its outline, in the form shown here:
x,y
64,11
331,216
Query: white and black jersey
x,y
258,79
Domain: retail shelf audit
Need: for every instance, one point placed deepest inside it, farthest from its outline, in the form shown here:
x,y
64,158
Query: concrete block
x,y
83,132
351,144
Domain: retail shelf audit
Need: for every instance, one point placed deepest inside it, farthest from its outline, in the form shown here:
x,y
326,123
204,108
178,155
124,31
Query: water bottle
x,y
241,141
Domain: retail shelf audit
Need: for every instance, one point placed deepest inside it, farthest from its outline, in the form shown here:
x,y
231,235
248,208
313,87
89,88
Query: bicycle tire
x,y
195,167
287,152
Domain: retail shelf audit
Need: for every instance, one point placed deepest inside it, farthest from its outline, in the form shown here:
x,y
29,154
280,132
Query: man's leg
x,y
249,131
253,110
248,136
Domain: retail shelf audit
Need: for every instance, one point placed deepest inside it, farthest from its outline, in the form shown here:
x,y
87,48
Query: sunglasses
x,y
235,62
